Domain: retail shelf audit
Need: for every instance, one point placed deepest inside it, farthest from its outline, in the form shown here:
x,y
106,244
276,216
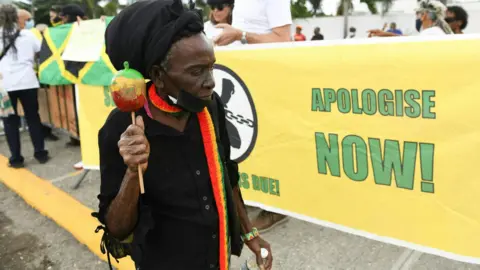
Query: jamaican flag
x,y
54,70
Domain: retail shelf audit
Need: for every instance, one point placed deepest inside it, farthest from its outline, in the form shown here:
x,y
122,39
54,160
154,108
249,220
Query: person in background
x,y
221,12
457,18
298,34
19,47
432,16
316,34
55,19
352,32
430,20
393,29
259,21
269,21
71,13
25,20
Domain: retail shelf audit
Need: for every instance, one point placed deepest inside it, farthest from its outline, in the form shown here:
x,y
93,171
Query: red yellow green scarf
x,y
215,169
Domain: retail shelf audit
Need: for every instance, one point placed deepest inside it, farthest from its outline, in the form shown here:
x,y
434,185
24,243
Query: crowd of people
x,y
433,18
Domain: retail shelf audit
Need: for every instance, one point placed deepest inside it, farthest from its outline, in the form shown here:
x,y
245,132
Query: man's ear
x,y
157,75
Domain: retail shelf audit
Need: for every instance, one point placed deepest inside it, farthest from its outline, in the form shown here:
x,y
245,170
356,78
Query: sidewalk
x,y
296,244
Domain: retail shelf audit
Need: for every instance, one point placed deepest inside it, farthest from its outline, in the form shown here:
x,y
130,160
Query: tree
x,y
371,4
299,9
386,5
340,11
316,5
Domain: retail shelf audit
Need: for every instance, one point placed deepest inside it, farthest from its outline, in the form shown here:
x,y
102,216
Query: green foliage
x,y
371,4
299,10
316,5
340,10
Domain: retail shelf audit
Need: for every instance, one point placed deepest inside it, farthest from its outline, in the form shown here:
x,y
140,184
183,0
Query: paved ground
x,y
31,241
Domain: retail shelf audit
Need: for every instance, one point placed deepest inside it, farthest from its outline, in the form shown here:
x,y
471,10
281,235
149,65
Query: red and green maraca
x,y
128,91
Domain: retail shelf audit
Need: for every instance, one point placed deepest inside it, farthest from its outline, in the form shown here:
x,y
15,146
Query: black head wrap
x,y
72,11
143,32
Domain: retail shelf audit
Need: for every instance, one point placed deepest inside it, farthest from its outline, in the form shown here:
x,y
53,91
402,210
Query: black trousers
x,y
29,100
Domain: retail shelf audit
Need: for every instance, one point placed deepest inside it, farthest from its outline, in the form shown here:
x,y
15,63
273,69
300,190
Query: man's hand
x,y
380,33
228,36
134,147
255,245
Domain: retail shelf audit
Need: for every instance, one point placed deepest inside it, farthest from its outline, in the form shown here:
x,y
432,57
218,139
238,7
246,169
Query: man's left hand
x,y
255,245
228,36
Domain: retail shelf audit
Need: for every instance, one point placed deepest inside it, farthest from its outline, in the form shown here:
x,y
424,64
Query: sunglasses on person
x,y
218,7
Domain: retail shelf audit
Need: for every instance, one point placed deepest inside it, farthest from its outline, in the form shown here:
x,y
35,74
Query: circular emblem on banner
x,y
242,123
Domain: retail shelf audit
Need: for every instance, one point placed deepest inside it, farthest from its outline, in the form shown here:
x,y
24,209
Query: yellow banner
x,y
376,139
94,104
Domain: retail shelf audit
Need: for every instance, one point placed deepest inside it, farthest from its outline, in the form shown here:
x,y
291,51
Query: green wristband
x,y
251,235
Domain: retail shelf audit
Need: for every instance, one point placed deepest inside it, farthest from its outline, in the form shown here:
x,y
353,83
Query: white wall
x,y
332,27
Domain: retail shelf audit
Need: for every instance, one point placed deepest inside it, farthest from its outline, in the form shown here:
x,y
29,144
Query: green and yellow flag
x,y
54,70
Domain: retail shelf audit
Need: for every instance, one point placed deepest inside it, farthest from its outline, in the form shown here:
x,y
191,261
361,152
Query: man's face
x,y
452,21
423,16
23,18
191,68
393,26
299,30
53,14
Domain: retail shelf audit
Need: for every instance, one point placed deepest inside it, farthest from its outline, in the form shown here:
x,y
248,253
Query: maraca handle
x,y
140,172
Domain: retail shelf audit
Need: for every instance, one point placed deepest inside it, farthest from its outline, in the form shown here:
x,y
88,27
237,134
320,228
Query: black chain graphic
x,y
239,118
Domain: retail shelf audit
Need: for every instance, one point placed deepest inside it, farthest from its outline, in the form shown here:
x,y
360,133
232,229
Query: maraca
x,y
128,91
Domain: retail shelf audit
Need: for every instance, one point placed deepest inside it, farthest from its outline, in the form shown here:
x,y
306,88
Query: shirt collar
x,y
155,128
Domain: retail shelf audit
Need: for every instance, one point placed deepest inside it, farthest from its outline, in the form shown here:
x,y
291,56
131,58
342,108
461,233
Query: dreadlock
x,y
8,21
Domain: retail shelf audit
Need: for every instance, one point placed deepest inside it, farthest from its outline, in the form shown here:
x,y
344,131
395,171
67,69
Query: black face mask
x,y
187,101
418,24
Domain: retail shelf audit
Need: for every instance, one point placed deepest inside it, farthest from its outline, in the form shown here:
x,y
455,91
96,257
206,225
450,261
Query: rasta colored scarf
x,y
215,169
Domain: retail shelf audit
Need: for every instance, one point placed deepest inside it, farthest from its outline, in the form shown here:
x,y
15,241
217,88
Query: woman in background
x,y
19,47
221,12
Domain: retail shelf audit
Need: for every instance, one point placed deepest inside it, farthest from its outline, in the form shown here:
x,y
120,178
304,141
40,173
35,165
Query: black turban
x,y
144,32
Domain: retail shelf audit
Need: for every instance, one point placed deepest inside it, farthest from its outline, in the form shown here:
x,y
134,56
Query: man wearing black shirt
x,y
177,223
316,34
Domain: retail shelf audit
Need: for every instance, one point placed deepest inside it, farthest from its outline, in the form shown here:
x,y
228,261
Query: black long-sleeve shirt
x,y
178,191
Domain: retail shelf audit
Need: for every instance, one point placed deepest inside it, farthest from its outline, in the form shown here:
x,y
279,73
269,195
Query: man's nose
x,y
210,81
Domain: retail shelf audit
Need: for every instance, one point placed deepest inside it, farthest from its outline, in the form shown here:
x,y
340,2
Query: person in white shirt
x,y
430,20
259,21
221,12
432,15
19,47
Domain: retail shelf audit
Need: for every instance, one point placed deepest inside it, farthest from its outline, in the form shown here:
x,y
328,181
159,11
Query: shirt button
x,y
212,266
214,236
204,198
207,207
197,172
